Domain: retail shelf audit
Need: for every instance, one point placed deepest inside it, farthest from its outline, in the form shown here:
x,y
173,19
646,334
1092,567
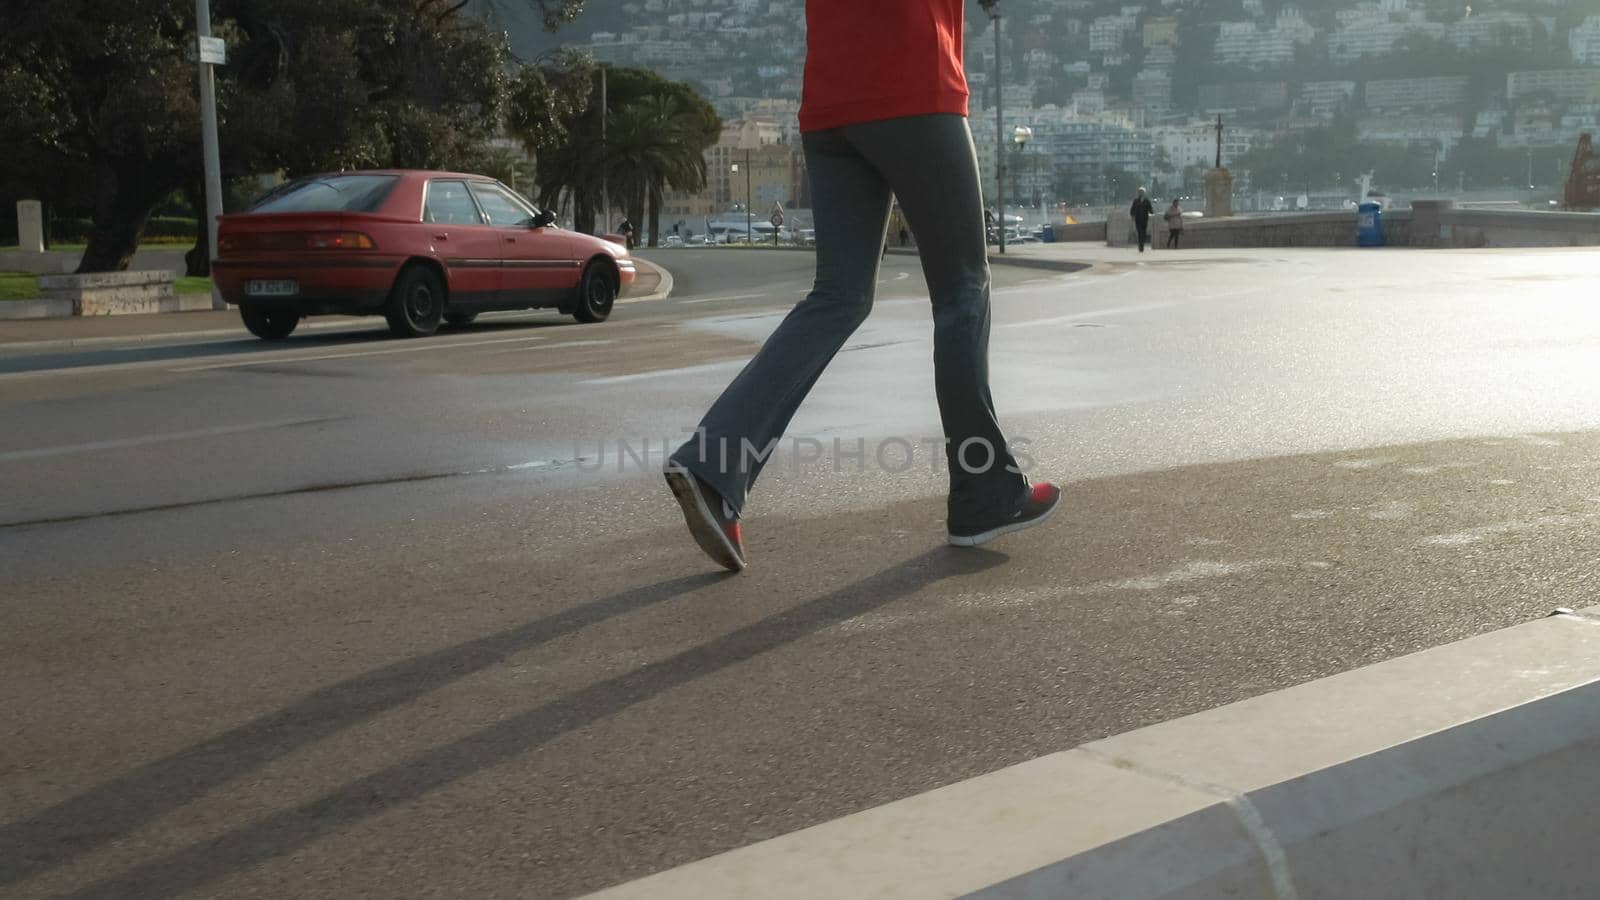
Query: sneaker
x,y
711,520
1040,505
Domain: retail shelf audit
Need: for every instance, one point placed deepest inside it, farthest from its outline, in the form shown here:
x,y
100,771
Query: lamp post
x,y
749,222
1020,136
210,152
992,7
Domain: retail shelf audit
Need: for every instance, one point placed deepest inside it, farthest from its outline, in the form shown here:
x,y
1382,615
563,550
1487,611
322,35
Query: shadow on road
x,y
78,826
107,813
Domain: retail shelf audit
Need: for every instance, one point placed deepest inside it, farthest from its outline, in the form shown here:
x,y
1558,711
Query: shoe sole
x,y
976,540
702,525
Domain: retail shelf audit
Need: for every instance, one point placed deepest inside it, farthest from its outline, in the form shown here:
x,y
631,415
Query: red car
x,y
418,247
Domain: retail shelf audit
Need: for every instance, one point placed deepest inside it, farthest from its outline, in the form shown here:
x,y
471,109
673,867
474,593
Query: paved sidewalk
x,y
28,334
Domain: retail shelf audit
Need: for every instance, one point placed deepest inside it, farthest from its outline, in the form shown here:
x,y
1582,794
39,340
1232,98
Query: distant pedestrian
x,y
1174,217
883,113
1141,211
626,230
905,236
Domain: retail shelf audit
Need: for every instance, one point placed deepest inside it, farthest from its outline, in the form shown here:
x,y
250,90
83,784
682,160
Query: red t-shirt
x,y
868,60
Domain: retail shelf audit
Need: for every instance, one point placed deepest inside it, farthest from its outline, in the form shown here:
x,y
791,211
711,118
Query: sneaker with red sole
x,y
711,520
1040,505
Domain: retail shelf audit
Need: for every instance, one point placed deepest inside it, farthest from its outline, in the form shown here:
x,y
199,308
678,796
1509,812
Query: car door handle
x,y
441,236
510,239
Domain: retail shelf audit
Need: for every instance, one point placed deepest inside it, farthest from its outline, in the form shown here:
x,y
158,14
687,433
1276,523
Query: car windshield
x,y
330,193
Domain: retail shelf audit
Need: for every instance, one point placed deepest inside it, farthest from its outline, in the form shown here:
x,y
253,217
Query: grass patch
x,y
23,286
51,249
18,286
193,286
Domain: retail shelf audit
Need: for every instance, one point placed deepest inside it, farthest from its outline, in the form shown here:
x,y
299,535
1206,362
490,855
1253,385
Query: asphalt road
x,y
359,617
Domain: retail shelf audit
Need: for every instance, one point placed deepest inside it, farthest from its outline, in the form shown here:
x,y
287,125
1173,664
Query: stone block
x,y
113,293
30,226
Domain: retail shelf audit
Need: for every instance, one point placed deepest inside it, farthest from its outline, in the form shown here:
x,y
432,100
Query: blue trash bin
x,y
1049,234
1369,225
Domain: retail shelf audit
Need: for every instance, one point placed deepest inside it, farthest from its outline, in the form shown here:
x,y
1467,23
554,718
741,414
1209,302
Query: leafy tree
x,y
109,104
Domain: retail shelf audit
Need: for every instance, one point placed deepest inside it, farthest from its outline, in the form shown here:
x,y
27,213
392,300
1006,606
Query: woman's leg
x,y
851,208
931,166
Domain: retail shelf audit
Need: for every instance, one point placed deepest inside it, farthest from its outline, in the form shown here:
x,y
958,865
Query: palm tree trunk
x,y
636,205
655,213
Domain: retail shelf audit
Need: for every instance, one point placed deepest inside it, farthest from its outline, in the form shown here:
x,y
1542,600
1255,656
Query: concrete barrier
x,y
1081,231
1428,223
1465,771
120,293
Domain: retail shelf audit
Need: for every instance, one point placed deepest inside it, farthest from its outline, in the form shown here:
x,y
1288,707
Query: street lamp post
x,y
749,221
1020,135
992,8
208,135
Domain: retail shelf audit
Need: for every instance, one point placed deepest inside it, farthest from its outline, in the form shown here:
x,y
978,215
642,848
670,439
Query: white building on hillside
x,y
1584,41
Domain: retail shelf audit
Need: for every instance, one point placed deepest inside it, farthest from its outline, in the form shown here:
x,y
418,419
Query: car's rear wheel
x,y
460,318
416,306
269,324
597,293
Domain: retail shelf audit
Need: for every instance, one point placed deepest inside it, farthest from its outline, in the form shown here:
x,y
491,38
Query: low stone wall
x,y
1431,223
1506,228
1082,231
119,293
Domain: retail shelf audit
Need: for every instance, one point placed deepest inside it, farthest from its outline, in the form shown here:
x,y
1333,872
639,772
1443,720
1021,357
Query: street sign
x,y
213,51
777,220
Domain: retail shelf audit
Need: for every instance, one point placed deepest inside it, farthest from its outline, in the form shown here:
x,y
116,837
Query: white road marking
x,y
413,348
556,346
1088,314
663,373
1393,510
1197,570
148,439
1482,533
715,299
1362,464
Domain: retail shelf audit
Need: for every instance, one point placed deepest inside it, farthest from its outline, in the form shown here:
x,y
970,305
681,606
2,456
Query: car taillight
x,y
338,240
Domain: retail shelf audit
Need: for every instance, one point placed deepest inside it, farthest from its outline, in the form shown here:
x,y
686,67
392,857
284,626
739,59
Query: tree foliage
x,y
106,94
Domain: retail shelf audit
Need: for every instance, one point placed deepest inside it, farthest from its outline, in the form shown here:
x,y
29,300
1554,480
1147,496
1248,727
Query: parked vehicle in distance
x,y
419,248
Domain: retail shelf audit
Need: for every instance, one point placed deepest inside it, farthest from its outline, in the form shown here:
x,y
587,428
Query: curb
x,y
1461,771
663,289
40,308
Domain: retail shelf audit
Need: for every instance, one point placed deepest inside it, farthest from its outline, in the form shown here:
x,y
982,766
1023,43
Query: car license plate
x,y
272,288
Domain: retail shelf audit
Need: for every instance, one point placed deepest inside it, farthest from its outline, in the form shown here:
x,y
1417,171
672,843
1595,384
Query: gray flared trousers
x,y
928,162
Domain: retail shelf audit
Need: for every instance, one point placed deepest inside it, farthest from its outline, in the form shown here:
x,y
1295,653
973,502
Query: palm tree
x,y
656,135
657,143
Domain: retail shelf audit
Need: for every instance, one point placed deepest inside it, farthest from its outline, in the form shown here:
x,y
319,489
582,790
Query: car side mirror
x,y
544,218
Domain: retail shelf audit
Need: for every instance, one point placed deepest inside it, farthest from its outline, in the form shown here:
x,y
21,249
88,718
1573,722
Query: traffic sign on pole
x,y
213,51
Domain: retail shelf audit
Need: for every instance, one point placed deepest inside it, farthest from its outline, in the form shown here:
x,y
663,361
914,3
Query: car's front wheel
x,y
597,293
269,324
416,306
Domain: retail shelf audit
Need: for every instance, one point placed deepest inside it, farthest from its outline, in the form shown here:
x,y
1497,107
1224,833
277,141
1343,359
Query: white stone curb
x,y
1464,771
